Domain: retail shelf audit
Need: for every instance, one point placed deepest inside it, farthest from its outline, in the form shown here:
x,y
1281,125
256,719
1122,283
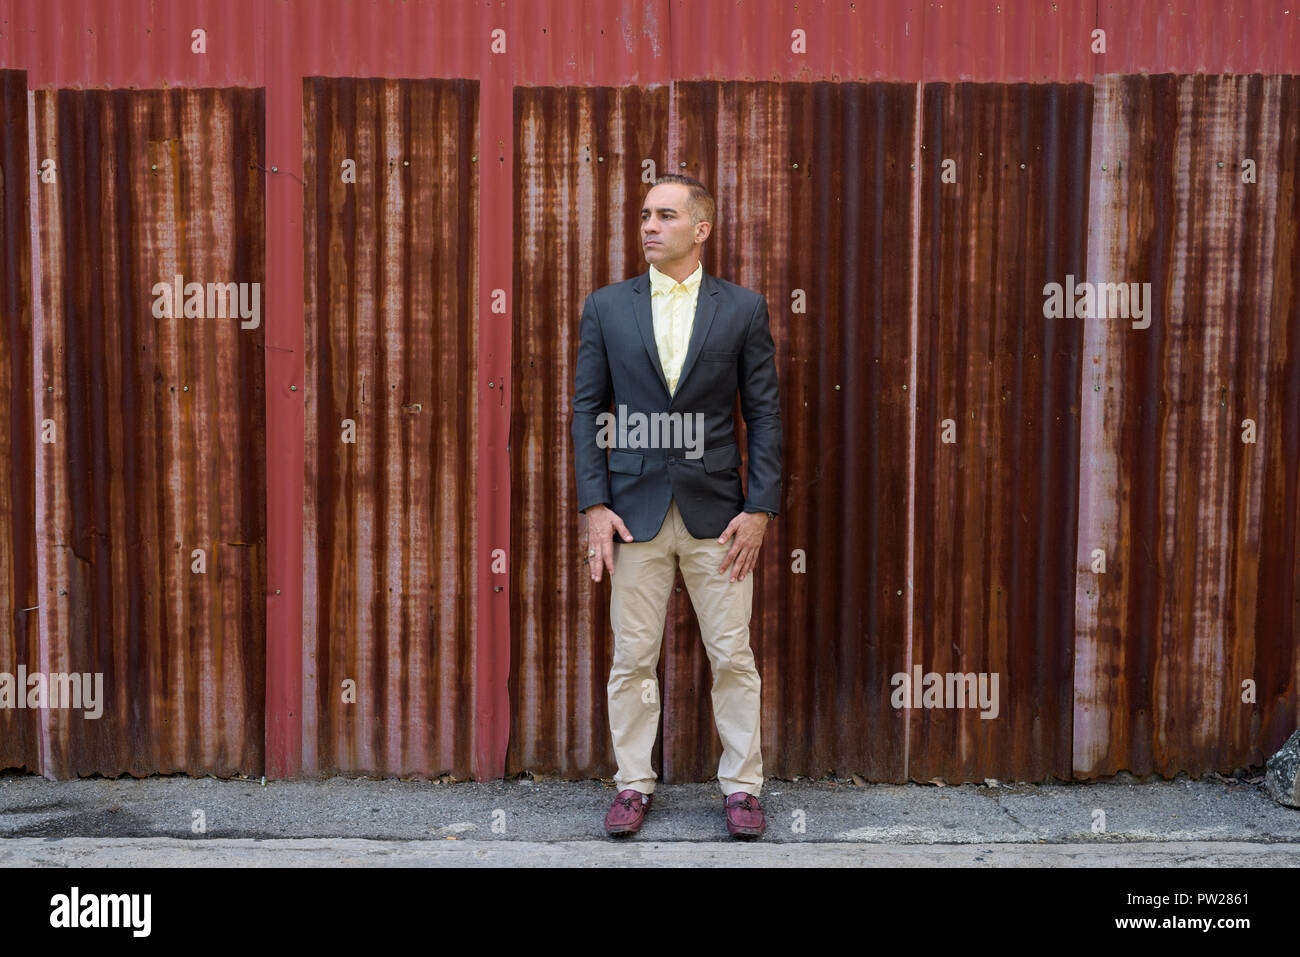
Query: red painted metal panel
x,y
85,43
494,391
286,482
81,44
19,616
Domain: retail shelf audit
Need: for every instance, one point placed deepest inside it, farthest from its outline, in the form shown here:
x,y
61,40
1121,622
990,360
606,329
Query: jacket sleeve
x,y
760,405
592,393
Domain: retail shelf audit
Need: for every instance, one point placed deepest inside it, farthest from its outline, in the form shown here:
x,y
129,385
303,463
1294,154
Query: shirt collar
x,y
661,282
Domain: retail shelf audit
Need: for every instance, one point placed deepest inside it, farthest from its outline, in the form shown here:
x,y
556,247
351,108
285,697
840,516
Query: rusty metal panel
x,y
153,440
814,191
391,305
578,162
1199,519
997,427
19,632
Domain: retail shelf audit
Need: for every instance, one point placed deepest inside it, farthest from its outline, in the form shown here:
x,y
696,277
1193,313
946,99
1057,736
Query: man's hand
x,y
749,529
602,522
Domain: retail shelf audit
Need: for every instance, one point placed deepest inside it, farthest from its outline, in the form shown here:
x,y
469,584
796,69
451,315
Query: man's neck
x,y
678,272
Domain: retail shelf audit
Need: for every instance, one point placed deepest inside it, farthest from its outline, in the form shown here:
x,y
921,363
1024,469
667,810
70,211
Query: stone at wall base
x,y
1283,777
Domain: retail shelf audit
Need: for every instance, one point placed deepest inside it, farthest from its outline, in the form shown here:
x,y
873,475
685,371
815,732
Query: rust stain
x,y
1201,527
19,614
578,167
391,304
160,441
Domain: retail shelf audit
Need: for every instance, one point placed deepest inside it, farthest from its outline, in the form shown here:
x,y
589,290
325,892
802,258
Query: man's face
x,y
667,236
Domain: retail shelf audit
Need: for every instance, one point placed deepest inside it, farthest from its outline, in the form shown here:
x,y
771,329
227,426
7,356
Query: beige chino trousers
x,y
638,608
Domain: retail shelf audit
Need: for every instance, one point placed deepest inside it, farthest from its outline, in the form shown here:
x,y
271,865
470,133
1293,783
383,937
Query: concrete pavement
x,y
166,821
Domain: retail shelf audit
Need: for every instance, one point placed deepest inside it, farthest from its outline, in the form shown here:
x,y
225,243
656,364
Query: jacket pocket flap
x,y
723,457
627,462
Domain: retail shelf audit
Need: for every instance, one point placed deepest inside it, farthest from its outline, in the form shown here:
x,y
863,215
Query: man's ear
x,y
702,231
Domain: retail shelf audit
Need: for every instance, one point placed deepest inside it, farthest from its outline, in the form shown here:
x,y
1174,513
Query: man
x,y
671,346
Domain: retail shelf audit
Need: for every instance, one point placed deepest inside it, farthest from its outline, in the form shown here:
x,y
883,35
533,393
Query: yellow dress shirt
x,y
673,305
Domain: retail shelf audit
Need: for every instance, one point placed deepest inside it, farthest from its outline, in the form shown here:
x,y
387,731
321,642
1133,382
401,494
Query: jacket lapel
x,y
705,308
645,321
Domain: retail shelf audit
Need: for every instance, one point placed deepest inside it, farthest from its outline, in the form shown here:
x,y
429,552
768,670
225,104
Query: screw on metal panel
x,y
837,387
911,166
473,159
185,388
277,591
600,159
796,165
1022,165
1103,167
682,165
406,162
496,587
63,591
153,165
899,592
275,169
49,388
491,384
293,388
904,388
1220,166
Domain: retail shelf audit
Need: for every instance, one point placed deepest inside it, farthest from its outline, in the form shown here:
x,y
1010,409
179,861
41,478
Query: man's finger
x,y
737,570
623,528
735,548
750,561
594,560
607,550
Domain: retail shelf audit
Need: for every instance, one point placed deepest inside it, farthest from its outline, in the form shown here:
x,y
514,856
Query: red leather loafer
x,y
744,815
627,812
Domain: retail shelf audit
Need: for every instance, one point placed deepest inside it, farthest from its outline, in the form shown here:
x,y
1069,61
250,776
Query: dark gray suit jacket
x,y
731,348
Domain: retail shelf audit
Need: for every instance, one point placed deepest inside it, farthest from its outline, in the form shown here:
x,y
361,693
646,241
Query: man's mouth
x,y
652,242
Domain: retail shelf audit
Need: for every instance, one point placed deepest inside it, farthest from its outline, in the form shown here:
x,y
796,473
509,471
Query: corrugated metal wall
x,y
1200,525
391,332
822,127
153,437
575,148
997,426
20,730
815,205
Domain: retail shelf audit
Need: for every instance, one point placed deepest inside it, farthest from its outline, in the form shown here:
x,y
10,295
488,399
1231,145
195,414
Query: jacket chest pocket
x,y
718,355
